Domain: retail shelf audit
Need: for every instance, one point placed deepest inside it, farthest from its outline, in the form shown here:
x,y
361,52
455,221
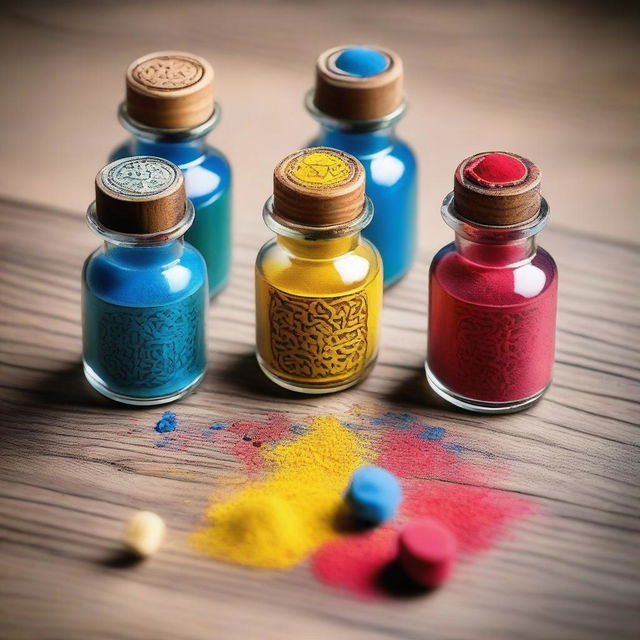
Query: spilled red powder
x,y
408,456
477,516
252,435
496,170
357,563
437,483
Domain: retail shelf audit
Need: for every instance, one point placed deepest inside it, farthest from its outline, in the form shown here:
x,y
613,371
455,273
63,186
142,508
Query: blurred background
x,y
554,81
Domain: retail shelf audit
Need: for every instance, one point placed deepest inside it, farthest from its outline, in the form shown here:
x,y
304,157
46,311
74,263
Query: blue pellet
x,y
374,494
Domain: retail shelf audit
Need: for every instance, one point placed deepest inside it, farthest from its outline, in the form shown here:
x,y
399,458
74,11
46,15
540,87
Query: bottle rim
x,y
155,134
359,126
493,234
283,227
140,239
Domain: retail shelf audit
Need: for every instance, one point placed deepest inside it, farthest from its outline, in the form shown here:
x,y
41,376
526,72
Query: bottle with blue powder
x,y
169,110
144,291
358,100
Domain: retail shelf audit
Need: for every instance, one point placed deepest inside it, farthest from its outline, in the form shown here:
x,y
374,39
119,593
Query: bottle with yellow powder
x,y
318,282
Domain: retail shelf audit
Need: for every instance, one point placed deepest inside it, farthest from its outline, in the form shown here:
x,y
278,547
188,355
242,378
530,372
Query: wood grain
x,y
544,79
74,466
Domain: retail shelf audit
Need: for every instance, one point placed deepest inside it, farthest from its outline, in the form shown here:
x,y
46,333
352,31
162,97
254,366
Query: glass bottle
x,y
492,292
358,101
169,111
144,292
318,283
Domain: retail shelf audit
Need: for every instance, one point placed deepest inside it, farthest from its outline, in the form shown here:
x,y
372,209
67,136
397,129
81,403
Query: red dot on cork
x,y
427,550
496,170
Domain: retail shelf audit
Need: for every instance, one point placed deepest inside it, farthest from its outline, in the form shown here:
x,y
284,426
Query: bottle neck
x,y
356,141
324,249
178,152
145,255
501,254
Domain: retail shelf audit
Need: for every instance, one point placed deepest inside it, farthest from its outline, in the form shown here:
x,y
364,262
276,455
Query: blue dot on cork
x,y
374,494
362,62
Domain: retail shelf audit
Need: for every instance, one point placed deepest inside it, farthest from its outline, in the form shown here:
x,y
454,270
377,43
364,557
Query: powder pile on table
x,y
276,522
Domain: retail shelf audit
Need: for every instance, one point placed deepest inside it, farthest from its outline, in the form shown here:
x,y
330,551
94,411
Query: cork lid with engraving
x,y
318,187
170,90
497,188
140,195
358,82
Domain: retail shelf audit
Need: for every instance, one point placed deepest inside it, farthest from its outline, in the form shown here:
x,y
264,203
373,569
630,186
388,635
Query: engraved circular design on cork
x,y
320,169
170,90
168,73
140,195
319,186
139,177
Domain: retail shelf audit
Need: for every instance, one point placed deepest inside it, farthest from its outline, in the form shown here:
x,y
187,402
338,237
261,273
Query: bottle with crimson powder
x,y
493,292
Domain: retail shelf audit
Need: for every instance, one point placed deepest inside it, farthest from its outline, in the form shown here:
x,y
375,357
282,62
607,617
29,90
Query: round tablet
x,y
374,494
363,62
427,550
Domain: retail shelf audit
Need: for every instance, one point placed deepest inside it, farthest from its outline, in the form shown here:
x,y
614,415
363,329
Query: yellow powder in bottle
x,y
276,522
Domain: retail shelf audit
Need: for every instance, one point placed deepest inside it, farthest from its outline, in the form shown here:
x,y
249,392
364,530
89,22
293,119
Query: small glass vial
x,y
144,292
169,110
358,101
492,292
318,283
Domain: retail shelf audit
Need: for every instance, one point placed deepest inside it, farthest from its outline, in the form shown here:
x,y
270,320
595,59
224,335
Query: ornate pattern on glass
x,y
318,337
148,347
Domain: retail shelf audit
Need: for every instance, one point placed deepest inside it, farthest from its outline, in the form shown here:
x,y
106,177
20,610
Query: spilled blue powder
x,y
453,447
433,433
167,423
298,429
216,426
401,420
165,442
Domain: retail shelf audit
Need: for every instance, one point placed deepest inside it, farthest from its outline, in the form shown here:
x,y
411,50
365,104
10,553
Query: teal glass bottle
x,y
144,291
358,101
169,111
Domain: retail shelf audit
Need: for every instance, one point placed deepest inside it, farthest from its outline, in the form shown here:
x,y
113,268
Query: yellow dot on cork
x,y
319,168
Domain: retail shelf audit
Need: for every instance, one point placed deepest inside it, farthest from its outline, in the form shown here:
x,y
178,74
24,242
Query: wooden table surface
x,y
74,466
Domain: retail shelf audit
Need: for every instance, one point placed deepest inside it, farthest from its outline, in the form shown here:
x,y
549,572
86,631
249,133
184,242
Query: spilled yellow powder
x,y
277,521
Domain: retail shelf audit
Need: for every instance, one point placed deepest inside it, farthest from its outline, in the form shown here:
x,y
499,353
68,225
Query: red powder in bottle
x,y
496,170
491,326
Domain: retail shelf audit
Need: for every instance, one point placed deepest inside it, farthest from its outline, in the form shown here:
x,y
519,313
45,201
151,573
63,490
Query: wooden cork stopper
x,y
170,90
358,83
497,188
140,195
318,187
